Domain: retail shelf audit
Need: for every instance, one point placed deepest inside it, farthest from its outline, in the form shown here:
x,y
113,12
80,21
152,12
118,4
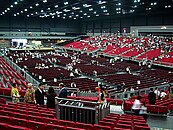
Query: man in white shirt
x,y
136,106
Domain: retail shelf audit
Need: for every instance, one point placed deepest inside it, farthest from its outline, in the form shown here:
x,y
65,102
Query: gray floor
x,y
155,122
161,122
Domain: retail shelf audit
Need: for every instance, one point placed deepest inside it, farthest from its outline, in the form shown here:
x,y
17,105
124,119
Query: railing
x,y
127,94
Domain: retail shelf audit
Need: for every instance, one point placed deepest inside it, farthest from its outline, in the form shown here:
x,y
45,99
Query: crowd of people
x,y
37,96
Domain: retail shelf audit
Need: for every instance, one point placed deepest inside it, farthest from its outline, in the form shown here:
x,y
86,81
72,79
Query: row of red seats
x,y
9,76
7,92
22,124
124,121
115,50
154,109
83,84
27,109
40,122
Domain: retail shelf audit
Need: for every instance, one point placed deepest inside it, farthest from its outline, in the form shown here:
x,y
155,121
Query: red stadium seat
x,y
5,119
85,126
100,127
3,126
120,129
72,128
11,127
137,127
34,113
47,115
3,100
19,122
55,127
36,125
152,109
35,118
125,122
105,123
7,91
66,123
126,126
162,109
21,116
110,120
6,113
22,111
50,120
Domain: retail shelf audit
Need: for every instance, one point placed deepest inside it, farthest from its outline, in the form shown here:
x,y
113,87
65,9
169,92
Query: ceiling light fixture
x,y
44,1
37,4
66,3
56,6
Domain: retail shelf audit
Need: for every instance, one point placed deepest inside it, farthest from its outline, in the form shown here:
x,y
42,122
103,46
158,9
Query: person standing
x,y
152,97
162,94
51,98
15,93
102,95
170,91
143,111
30,94
39,95
157,92
136,105
63,91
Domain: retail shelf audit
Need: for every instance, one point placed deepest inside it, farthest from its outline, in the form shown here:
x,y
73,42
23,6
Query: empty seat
x,y
35,118
50,120
3,100
22,116
85,126
110,120
19,122
55,127
105,123
36,125
72,128
101,127
6,113
137,127
34,113
126,126
66,123
120,129
5,119
47,115
3,126
11,127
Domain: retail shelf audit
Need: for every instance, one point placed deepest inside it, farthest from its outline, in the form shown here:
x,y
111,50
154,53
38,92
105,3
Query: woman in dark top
x,y
51,98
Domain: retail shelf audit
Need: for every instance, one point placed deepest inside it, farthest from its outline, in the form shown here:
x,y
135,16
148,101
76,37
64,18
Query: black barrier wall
x,y
81,111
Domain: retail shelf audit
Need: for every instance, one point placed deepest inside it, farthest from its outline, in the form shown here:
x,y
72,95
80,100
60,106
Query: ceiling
x,y
82,9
